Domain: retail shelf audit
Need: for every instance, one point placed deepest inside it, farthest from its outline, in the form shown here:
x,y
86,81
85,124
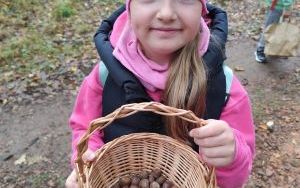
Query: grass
x,y
25,44
39,180
27,30
40,37
63,9
44,178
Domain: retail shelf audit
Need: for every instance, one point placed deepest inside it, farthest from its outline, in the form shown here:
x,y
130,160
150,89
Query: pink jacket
x,y
237,113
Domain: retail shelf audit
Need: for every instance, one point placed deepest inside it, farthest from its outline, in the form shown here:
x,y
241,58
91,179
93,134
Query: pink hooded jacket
x,y
237,113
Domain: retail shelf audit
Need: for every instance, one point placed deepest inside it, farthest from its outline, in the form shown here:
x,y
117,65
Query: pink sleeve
x,y
88,106
237,113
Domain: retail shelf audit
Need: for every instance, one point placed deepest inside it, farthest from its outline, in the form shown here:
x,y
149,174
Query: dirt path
x,y
36,141
34,150
274,90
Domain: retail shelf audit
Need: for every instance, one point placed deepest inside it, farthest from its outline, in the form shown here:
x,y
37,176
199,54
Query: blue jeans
x,y
273,16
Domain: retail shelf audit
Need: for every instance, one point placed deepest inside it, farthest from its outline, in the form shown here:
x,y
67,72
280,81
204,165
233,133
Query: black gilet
x,y
122,87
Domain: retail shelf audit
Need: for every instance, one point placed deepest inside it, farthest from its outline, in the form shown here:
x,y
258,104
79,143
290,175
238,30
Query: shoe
x,y
260,56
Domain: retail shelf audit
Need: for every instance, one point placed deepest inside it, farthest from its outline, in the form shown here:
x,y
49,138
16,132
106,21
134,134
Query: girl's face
x,y
164,26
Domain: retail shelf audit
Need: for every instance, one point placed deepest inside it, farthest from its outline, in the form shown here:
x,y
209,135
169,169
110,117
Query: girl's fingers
x,y
217,162
211,141
213,128
88,156
218,152
71,181
226,138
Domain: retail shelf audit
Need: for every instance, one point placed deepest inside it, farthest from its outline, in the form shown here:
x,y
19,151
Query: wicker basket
x,y
138,152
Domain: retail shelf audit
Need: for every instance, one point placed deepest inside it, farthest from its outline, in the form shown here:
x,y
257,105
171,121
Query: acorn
x,y
144,183
125,181
144,174
167,184
151,178
154,185
135,180
156,173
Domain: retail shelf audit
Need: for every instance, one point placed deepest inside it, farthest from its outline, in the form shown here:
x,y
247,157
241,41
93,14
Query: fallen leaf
x,y
263,126
21,160
35,159
294,142
238,68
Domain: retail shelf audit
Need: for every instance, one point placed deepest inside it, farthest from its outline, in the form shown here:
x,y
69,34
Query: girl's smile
x,y
163,27
165,32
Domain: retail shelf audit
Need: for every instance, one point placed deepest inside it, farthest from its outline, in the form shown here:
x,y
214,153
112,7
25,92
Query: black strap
x,y
121,76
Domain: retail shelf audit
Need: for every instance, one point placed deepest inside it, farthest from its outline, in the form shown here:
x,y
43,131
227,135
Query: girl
x,y
159,56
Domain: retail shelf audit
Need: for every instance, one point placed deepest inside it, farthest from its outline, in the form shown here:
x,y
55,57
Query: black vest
x,y
122,87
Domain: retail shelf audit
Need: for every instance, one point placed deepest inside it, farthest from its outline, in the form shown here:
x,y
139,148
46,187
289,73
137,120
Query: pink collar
x,y
127,50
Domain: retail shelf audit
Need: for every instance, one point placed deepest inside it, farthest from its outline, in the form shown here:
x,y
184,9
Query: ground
x,y
35,139
274,92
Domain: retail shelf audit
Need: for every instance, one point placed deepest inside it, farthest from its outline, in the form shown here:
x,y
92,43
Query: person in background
x,y
273,15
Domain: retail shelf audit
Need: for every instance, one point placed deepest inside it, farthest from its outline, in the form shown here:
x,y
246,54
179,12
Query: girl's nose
x,y
166,11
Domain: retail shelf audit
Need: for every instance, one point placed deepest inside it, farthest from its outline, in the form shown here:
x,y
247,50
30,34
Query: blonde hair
x,y
185,89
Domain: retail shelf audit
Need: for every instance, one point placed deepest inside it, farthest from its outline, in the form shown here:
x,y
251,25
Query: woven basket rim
x,y
138,136
124,111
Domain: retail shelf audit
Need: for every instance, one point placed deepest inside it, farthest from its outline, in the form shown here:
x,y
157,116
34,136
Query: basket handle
x,y
124,111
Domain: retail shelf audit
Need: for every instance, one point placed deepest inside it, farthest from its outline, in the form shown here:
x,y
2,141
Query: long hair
x,y
185,89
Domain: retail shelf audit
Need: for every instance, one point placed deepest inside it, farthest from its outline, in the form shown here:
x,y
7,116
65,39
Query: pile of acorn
x,y
144,179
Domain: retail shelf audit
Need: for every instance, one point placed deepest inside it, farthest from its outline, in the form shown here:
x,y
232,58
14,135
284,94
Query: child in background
x,y
163,51
273,15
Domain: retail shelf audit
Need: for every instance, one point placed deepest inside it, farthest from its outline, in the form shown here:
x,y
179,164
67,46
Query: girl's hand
x,y
216,142
71,181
